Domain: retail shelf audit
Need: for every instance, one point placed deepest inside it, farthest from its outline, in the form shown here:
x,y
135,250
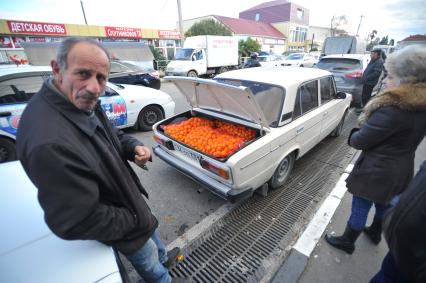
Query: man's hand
x,y
142,155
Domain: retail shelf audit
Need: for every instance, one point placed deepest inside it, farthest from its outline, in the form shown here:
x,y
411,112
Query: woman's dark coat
x,y
86,187
406,232
393,125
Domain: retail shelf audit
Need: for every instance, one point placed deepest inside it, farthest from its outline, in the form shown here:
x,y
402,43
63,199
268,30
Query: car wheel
x,y
7,150
338,130
192,74
282,172
149,116
301,66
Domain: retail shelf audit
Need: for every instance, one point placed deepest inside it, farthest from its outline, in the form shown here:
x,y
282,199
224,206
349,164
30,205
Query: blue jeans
x,y
359,212
148,261
389,272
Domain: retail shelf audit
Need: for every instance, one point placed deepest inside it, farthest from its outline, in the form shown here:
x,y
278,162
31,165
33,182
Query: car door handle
x,y
5,114
300,129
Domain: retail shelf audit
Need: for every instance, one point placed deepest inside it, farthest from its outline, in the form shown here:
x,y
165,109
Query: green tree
x,y
245,47
159,59
207,27
392,42
384,40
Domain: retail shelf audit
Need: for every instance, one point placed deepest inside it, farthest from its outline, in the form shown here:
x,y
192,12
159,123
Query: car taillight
x,y
224,173
167,143
354,75
155,74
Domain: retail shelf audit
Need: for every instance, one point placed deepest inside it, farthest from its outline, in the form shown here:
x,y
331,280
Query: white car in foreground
x,y
30,252
125,105
247,127
300,60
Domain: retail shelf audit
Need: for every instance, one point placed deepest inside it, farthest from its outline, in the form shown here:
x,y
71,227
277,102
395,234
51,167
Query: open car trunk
x,y
207,135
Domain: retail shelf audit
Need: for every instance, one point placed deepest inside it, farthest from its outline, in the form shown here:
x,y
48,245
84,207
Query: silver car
x,y
347,70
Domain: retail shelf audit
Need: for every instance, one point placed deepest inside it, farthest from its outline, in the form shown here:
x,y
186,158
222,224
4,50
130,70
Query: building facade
x,y
290,19
269,38
316,37
14,32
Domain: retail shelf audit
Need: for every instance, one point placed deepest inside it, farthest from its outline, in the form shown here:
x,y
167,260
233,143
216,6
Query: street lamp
x,y
82,8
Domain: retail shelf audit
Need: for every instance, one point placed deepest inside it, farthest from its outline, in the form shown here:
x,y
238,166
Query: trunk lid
x,y
217,97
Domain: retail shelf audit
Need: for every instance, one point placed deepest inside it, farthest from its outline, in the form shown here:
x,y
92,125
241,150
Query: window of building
x,y
257,17
300,13
298,34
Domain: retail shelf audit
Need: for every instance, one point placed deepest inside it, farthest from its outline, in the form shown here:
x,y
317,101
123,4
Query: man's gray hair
x,y
408,64
67,44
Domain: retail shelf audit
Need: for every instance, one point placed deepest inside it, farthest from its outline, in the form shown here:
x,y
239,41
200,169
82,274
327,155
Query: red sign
x,y
123,32
36,28
169,34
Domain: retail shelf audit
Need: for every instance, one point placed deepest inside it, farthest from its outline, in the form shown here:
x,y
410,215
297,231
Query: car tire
x,y
302,66
192,74
282,172
148,116
339,128
7,150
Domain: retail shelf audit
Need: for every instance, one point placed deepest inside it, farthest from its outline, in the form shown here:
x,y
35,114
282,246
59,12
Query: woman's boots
x,y
374,232
346,242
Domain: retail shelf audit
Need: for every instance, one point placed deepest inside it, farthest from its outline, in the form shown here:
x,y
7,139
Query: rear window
x,y
339,64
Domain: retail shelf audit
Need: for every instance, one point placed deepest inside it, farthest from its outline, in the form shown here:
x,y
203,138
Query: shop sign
x,y
169,34
36,28
123,32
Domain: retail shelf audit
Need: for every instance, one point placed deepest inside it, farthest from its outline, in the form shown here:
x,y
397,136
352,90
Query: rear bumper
x,y
213,185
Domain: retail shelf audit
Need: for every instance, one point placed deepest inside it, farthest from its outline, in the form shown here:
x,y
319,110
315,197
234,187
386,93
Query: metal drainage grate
x,y
241,246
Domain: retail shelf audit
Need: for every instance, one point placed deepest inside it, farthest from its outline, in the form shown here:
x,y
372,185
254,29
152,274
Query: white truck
x,y
204,55
343,45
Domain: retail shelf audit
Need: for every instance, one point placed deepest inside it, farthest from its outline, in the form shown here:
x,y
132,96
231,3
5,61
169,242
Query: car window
x,y
327,89
109,92
19,90
118,68
306,99
339,64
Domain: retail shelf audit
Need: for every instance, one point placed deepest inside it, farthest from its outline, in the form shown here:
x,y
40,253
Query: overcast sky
x,y
396,18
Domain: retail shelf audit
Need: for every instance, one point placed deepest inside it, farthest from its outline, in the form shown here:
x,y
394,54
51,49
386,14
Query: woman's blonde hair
x,y
408,64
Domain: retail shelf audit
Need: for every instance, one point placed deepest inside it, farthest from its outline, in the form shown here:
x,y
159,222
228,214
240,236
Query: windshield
x,y
270,98
295,56
184,54
262,59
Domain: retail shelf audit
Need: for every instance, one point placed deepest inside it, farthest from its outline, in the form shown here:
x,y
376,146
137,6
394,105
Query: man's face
x,y
374,55
85,77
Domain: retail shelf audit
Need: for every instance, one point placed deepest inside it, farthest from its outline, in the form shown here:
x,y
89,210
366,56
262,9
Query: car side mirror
x,y
341,95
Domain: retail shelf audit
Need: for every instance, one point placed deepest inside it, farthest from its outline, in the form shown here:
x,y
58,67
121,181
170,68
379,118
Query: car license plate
x,y
186,152
338,80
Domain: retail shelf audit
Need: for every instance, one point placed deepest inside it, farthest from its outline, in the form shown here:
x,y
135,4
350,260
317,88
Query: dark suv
x,y
127,72
347,70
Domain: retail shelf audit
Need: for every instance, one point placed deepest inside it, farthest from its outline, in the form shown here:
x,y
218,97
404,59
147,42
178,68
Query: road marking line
x,y
310,237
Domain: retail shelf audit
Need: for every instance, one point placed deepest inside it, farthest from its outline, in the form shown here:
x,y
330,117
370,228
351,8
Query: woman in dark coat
x,y
391,127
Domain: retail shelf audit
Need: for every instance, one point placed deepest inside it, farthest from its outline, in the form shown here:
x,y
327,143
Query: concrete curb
x,y
296,261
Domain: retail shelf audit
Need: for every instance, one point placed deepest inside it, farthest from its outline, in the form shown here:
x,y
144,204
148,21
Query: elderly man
x,y
79,162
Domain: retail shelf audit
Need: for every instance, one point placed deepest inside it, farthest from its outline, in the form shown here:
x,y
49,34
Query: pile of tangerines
x,y
213,137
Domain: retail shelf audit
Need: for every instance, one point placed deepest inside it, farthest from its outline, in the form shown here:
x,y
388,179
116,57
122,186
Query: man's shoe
x,y
346,242
374,232
172,257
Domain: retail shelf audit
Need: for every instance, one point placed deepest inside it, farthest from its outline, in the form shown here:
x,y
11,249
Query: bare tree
x,y
336,23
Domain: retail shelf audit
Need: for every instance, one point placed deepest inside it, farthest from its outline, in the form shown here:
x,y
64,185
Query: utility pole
x,y
180,23
82,8
331,26
360,20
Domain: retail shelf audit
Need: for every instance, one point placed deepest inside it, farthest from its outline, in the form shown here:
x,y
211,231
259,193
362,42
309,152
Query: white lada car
x,y
281,112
